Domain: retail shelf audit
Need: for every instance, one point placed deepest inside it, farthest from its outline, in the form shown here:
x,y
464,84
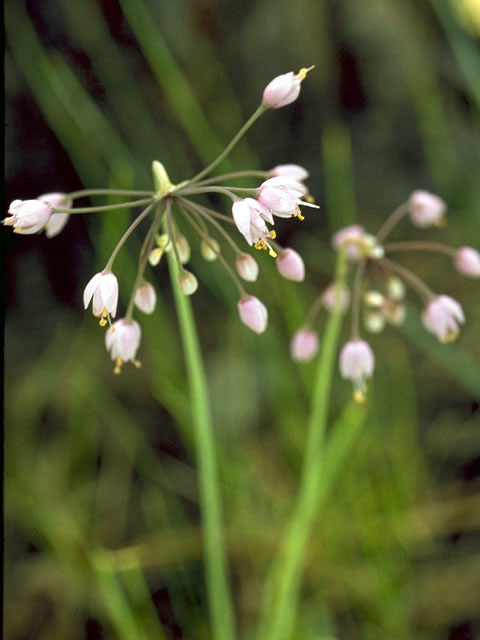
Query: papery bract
x,y
253,313
304,345
442,316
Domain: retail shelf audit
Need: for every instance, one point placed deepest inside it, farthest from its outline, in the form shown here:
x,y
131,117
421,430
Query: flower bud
x,y
145,297
356,364
210,249
292,171
57,221
155,256
183,249
328,298
290,265
467,261
374,321
304,345
426,209
395,288
247,267
187,282
283,89
162,240
442,317
253,313
350,238
373,299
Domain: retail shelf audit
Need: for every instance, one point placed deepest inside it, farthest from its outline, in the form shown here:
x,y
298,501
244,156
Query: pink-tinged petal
x,y
56,224
122,341
467,261
356,364
304,345
290,265
328,298
247,267
90,289
253,314
145,298
109,293
442,316
426,209
241,217
293,171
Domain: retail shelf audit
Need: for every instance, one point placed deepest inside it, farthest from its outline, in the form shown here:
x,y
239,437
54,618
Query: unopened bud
x,y
247,267
188,283
162,240
373,299
395,288
155,256
374,321
183,249
210,249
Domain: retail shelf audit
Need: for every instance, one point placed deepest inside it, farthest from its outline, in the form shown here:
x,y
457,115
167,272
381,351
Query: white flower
x,y
57,221
282,196
284,89
28,216
350,238
426,209
103,287
250,215
442,317
356,364
122,341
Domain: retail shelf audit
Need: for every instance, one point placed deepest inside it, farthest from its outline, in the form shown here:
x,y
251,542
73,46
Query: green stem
x,y
415,282
220,604
420,245
391,222
284,582
106,207
126,235
236,174
83,193
230,145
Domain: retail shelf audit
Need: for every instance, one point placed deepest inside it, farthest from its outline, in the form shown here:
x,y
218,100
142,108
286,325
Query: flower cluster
x,y
379,286
254,210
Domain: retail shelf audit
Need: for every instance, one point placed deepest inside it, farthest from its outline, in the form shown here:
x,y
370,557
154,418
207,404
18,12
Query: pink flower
x,y
145,297
57,221
282,196
250,215
442,316
467,261
253,313
292,171
28,216
103,287
304,345
351,238
356,364
328,298
283,89
426,209
247,267
122,341
290,265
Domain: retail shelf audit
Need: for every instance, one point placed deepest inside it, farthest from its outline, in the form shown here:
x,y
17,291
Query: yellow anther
x,y
273,234
451,336
302,73
111,329
117,371
102,322
260,245
137,364
300,216
309,198
272,253
359,396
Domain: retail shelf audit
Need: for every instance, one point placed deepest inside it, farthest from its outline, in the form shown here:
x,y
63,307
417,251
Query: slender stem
x,y
391,222
222,260
106,207
143,257
202,211
422,289
127,233
230,145
357,288
420,245
227,191
220,603
234,175
284,581
83,193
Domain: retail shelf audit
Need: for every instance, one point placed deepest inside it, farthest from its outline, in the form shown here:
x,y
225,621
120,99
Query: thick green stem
x,y
283,584
220,604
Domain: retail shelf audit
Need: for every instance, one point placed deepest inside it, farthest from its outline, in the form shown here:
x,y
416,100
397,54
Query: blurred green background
x,y
102,525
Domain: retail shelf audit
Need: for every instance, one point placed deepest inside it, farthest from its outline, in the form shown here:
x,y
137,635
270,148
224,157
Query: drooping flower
x,y
250,215
103,287
426,209
282,196
467,261
209,249
283,89
292,171
145,297
187,282
57,221
304,345
328,298
350,238
442,316
247,267
28,216
253,313
290,265
356,364
122,341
